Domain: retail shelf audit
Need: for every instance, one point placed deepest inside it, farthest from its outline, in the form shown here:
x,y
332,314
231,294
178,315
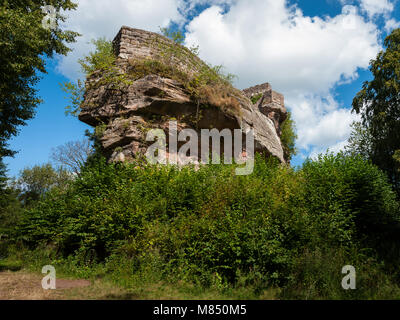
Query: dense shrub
x,y
355,183
211,224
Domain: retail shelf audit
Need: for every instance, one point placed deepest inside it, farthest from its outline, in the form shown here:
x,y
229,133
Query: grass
x,y
10,265
26,285
112,280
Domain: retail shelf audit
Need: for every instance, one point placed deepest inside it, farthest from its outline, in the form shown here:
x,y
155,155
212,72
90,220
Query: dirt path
x,y
27,286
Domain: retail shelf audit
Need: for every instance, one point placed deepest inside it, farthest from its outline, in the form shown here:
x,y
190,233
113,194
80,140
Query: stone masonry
x,y
127,113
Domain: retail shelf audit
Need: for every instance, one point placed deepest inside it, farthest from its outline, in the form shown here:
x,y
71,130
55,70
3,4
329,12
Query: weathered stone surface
x,y
271,103
152,101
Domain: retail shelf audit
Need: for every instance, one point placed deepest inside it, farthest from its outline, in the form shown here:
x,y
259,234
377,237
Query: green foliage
x,y
217,229
10,212
378,104
101,59
10,209
23,51
3,175
396,158
288,137
317,275
75,94
256,98
360,141
36,181
175,36
354,189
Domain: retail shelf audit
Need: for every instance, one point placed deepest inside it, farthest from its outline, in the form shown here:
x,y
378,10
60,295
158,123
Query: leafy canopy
x,y
288,137
24,46
359,142
196,223
100,59
36,181
379,105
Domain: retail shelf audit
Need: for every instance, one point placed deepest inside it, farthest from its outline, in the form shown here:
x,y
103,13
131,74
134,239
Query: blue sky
x,y
315,52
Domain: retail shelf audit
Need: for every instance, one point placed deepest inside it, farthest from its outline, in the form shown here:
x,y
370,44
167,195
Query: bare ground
x,y
27,286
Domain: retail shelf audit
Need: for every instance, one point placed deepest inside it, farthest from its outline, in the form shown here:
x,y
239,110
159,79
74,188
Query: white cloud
x,y
323,124
270,41
372,8
391,24
302,57
377,7
94,19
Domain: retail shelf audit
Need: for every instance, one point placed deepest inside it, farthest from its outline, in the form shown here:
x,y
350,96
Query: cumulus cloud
x,y
263,40
323,123
372,8
94,19
391,24
377,7
268,40
302,57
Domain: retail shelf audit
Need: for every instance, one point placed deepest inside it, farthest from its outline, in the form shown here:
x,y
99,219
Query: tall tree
x,y
34,182
72,155
29,33
379,105
3,176
10,208
359,142
288,137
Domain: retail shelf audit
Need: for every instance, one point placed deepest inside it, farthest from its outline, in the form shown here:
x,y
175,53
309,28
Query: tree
x,y
72,155
3,176
36,181
288,137
25,43
10,207
359,142
379,105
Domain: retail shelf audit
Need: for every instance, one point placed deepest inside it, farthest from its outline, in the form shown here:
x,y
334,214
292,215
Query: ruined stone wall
x,y
260,88
271,96
271,103
274,97
135,44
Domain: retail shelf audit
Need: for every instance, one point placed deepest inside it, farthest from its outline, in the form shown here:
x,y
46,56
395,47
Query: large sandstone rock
x,y
126,113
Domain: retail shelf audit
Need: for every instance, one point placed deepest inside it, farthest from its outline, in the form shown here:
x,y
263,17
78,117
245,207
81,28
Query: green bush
x,y
288,137
212,227
317,275
351,188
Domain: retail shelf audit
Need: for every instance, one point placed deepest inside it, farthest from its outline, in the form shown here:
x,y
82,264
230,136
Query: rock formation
x,y
151,99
